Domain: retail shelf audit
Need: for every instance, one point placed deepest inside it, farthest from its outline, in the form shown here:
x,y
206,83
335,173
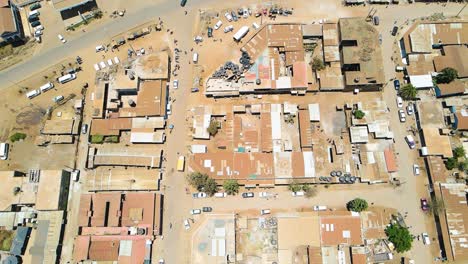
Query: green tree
x,y
309,191
17,137
231,187
408,92
317,64
197,180
210,187
459,152
400,237
294,187
357,205
213,128
359,114
446,75
463,166
451,163
97,139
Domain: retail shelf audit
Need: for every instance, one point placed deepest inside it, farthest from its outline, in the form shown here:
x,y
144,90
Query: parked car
x,y
245,13
175,84
58,98
33,18
84,128
265,211
300,193
199,195
263,194
34,6
394,30
220,194
210,32
425,239
410,109
396,83
416,169
161,261
195,211
207,209
410,140
228,28
183,2
234,16
424,204
100,48
186,224
399,102
35,23
198,39
61,38
228,16
402,115
376,20
218,25
248,195
195,89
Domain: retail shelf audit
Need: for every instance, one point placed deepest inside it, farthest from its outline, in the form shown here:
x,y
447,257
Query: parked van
x,y
265,211
195,57
320,208
66,78
46,87
33,94
4,151
181,163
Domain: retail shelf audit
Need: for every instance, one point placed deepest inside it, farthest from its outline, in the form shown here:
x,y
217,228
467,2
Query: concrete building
x,y
72,8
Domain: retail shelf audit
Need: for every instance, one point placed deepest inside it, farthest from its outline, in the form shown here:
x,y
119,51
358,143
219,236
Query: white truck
x,y
66,78
241,33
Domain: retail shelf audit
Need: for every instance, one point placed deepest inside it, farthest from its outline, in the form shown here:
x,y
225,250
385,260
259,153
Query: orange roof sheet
x,y
340,229
150,100
390,160
104,250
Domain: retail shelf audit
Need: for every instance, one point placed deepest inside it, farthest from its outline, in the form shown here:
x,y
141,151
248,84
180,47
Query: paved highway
x,y
108,29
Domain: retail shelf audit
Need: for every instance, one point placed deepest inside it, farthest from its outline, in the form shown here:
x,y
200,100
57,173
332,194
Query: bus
x,y
4,151
241,33
181,163
66,78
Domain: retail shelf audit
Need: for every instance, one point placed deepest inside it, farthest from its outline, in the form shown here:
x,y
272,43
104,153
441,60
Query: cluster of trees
x,y
358,114
458,160
203,183
357,205
306,188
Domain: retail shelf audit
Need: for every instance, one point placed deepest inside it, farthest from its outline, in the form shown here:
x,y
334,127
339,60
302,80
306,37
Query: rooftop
x,y
150,100
340,229
423,36
365,51
455,57
436,143
456,87
50,189
7,21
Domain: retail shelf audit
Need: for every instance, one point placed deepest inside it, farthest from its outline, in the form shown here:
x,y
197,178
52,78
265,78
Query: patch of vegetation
x,y
358,114
310,47
17,137
6,239
452,163
317,64
408,92
447,75
202,183
307,189
400,237
97,139
437,206
231,187
6,51
459,152
213,128
357,205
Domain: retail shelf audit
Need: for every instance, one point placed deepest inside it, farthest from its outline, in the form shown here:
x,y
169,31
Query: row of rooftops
x,y
118,226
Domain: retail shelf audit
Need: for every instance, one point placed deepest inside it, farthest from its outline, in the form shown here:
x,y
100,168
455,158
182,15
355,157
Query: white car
x,y
228,28
300,193
410,109
263,194
96,67
246,13
399,102
175,84
199,195
416,169
58,98
40,27
228,16
265,211
100,48
38,33
161,261
319,208
186,224
102,64
109,62
61,38
425,239
198,39
195,211
218,25
402,115
220,195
